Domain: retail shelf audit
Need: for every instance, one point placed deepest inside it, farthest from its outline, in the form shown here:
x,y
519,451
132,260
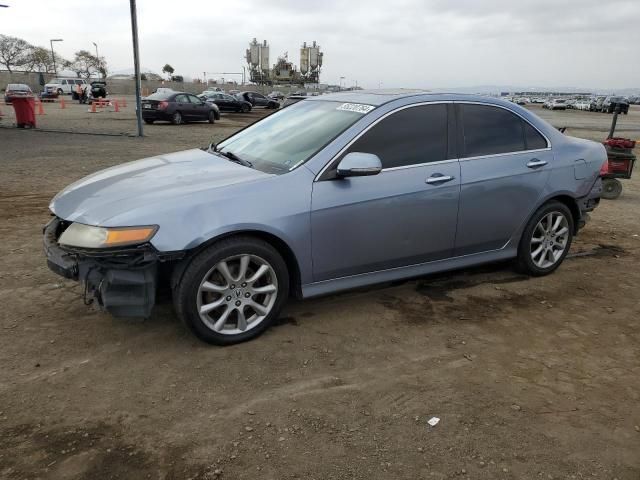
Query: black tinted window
x,y
411,136
490,130
533,138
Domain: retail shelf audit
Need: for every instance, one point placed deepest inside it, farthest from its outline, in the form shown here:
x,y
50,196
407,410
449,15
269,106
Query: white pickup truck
x,y
66,85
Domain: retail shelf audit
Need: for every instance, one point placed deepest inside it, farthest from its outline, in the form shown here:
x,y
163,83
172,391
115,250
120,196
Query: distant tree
x,y
177,78
84,64
143,76
38,59
13,51
168,70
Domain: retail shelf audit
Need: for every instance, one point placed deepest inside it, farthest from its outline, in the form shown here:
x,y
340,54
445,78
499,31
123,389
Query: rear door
x,y
183,105
504,166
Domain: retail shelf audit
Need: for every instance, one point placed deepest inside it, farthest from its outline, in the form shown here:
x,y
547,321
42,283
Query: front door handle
x,y
438,178
535,163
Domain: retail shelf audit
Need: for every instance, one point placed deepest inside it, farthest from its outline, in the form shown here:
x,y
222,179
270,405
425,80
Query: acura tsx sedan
x,y
331,193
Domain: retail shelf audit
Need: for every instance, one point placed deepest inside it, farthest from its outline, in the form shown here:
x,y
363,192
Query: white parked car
x,y
65,85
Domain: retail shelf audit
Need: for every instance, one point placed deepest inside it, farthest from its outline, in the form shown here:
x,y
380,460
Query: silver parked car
x,y
331,193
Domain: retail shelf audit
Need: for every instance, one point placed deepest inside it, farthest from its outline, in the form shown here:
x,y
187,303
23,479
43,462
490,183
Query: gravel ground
x,y
530,377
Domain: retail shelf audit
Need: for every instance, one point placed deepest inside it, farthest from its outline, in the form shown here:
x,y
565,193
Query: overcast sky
x,y
392,43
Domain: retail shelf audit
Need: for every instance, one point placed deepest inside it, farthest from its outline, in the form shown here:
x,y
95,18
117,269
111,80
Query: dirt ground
x,y
531,378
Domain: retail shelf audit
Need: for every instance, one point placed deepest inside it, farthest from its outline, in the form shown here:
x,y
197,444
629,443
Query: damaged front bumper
x,y
122,281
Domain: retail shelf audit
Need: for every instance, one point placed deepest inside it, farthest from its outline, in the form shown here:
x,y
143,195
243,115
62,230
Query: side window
x,y
411,136
64,82
532,138
79,82
182,99
490,130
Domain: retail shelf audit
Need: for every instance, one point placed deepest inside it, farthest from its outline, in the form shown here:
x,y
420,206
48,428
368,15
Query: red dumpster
x,y
25,108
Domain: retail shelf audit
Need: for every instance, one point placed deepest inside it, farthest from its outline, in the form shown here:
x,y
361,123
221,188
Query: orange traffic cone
x,y
62,104
40,107
116,107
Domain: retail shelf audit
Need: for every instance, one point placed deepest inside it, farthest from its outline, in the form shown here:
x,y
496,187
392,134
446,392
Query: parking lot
x,y
530,377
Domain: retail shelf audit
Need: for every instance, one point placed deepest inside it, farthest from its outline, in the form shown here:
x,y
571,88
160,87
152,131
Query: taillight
x,y
163,105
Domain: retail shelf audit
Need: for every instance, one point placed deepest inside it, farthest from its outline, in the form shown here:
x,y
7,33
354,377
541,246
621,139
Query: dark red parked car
x,y
177,108
16,90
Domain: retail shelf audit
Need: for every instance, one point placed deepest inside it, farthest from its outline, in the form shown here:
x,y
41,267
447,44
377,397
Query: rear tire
x,y
176,118
217,306
149,122
611,188
546,239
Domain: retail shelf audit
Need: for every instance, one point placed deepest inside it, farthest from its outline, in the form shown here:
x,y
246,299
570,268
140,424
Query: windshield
x,y
289,137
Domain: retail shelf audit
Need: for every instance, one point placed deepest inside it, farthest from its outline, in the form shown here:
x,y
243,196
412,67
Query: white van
x,y
66,85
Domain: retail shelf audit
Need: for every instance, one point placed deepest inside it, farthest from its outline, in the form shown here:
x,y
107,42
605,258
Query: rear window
x,y
18,86
159,96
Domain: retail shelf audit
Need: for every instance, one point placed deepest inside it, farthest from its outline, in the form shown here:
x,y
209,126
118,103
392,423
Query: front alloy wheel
x,y
237,294
233,290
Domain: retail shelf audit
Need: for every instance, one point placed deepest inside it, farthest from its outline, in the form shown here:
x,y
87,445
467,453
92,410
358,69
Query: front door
x,y
200,110
405,215
504,165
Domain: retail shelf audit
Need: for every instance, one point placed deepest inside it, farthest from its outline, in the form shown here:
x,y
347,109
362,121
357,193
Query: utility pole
x,y
136,64
53,55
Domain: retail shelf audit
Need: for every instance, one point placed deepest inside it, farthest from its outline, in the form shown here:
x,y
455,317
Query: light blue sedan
x,y
331,193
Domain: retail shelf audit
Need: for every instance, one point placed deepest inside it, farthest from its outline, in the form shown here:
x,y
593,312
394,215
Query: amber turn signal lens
x,y
128,235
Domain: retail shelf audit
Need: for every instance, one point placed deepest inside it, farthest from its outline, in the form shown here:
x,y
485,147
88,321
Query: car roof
x,y
380,97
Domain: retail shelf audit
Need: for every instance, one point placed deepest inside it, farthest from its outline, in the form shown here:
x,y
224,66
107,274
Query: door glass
x,y
181,99
411,136
533,138
490,131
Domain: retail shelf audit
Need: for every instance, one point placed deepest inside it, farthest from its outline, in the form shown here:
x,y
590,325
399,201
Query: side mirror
x,y
357,164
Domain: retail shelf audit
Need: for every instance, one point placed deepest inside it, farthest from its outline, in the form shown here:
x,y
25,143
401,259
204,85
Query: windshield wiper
x,y
234,158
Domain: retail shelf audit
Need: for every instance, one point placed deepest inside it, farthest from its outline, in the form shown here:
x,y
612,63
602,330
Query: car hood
x,y
164,179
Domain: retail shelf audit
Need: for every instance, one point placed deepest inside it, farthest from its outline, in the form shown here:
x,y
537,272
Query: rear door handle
x,y
535,163
438,178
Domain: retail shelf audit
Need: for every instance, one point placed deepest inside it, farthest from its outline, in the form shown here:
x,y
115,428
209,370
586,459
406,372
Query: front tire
x,y
546,239
212,117
232,291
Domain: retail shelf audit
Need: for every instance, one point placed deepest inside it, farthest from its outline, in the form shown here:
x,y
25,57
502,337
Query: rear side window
x,y
490,130
532,137
411,136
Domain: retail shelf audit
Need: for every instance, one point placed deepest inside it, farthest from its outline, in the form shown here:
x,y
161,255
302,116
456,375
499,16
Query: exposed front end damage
x,y
122,281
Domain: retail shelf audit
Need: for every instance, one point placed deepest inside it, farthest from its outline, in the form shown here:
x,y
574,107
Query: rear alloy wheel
x,y
232,291
148,122
546,239
611,188
212,116
245,108
176,118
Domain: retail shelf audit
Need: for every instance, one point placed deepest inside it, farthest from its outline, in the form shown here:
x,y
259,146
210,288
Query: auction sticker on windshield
x,y
356,107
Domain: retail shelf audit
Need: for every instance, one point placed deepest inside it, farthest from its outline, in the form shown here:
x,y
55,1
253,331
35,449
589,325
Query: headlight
x,y
86,236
